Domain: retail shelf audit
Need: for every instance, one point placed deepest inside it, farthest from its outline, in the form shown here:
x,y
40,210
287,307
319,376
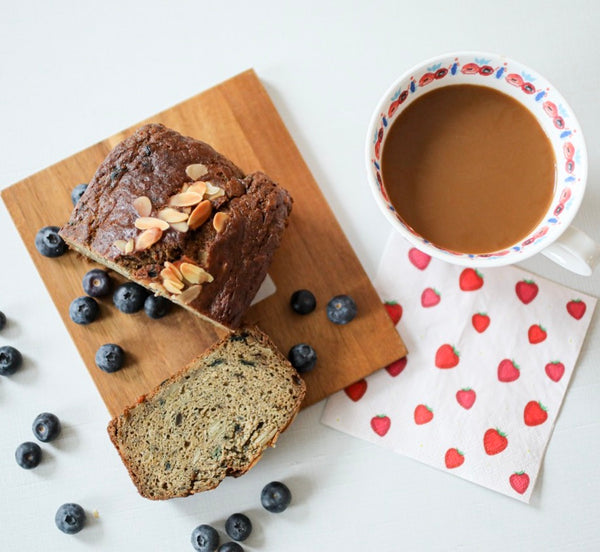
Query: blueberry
x,y
275,497
84,310
10,360
70,518
238,527
156,306
49,243
205,538
97,283
129,297
77,192
110,357
303,357
230,547
28,455
341,309
46,427
2,320
303,301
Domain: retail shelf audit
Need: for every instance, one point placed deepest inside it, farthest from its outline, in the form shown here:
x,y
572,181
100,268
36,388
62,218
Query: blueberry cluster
x,y
46,427
128,298
340,310
275,497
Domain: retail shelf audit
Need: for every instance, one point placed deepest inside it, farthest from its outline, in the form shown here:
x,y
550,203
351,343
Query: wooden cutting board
x,y
237,118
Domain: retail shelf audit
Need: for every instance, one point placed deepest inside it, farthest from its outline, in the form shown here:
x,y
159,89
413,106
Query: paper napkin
x,y
491,352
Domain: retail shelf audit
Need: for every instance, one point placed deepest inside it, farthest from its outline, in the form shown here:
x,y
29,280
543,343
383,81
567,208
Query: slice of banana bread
x,y
214,418
172,214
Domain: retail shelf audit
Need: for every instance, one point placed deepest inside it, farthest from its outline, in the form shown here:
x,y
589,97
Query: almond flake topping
x,y
190,294
213,192
129,246
174,269
145,223
180,226
197,187
173,287
196,171
200,214
120,245
219,221
170,215
194,274
156,287
185,199
143,206
147,238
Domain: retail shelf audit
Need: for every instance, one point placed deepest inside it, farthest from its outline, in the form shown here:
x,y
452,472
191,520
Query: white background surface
x,y
73,73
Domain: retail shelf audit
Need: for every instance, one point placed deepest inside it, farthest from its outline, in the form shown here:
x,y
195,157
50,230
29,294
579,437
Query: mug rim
x,y
456,257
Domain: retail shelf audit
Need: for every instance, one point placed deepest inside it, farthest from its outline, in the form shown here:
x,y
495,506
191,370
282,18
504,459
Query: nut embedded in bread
x,y
174,215
214,418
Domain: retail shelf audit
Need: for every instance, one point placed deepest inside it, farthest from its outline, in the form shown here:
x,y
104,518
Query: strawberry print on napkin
x,y
491,352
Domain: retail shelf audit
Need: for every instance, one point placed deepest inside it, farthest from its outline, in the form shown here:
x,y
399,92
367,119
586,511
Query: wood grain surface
x,y
238,119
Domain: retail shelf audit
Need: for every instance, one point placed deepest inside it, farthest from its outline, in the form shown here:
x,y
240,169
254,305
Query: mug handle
x,y
575,251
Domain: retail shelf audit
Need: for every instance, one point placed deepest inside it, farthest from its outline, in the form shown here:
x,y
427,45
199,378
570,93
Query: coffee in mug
x,y
478,160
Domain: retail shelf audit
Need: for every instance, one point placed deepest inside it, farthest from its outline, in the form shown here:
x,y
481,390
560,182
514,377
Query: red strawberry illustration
x,y
508,371
470,280
357,389
555,370
418,258
526,290
480,321
380,424
423,414
396,367
576,308
494,441
394,310
535,413
454,458
466,397
446,356
519,481
430,297
536,334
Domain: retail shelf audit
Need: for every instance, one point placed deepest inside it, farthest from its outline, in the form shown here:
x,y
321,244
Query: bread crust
x,y
117,422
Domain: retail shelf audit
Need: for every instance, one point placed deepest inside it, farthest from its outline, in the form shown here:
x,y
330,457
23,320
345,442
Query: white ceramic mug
x,y
554,236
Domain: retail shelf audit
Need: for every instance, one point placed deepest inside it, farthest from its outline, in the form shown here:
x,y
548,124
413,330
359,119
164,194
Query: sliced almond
x,y
143,206
185,199
168,276
219,221
173,287
173,268
168,214
200,214
196,171
180,226
198,187
120,245
194,274
190,294
147,238
156,287
213,192
129,246
145,223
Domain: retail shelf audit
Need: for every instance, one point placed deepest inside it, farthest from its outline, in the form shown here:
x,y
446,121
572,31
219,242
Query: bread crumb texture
x,y
215,418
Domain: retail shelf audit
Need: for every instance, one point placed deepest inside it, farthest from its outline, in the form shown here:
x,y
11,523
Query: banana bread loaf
x,y
174,215
214,418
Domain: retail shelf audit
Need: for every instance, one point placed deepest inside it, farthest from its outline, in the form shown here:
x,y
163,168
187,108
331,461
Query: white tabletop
x,y
73,73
